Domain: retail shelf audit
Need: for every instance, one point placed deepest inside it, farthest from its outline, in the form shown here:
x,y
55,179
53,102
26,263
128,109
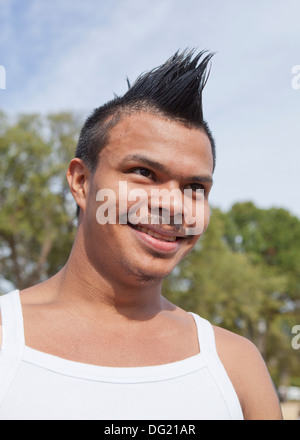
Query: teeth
x,y
155,234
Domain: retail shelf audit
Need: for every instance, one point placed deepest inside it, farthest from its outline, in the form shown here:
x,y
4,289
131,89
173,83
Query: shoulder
x,y
248,374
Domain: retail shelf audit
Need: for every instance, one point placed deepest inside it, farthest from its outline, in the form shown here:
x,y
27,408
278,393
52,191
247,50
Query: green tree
x,y
270,236
37,213
271,239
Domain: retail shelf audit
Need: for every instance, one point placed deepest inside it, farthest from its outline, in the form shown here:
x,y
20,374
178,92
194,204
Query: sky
x,y
73,55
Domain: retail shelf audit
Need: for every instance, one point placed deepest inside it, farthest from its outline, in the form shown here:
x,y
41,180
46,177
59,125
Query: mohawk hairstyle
x,y
176,86
172,90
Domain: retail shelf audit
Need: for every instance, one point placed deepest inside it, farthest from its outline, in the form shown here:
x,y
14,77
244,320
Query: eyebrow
x,y
162,168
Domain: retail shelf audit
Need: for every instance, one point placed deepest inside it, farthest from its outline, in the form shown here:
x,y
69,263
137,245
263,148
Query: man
x,y
99,339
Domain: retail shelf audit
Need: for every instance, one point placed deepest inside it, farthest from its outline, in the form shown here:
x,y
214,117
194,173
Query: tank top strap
x,y
206,336
12,322
208,349
13,340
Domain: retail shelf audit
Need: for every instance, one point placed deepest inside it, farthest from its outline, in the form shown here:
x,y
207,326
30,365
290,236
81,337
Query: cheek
x,y
206,216
202,224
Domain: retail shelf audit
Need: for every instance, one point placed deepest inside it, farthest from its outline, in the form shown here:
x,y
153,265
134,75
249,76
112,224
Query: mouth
x,y
156,234
164,240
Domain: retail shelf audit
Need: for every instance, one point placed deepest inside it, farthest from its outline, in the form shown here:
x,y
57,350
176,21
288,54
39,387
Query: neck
x,y
107,292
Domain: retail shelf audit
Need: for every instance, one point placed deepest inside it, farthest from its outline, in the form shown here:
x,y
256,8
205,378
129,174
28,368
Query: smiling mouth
x,y
168,237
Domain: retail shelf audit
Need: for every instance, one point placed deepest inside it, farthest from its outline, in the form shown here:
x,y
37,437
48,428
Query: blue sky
x,y
73,55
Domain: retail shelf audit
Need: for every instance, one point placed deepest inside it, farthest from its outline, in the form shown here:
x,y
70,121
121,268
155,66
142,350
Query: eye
x,y
142,172
195,186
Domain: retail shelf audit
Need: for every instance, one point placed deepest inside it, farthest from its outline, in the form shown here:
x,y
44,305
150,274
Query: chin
x,y
147,274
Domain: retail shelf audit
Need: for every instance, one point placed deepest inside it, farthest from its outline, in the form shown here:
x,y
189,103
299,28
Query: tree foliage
x,y
36,222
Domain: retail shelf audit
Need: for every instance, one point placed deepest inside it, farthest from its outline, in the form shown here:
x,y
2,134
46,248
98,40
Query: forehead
x,y
161,140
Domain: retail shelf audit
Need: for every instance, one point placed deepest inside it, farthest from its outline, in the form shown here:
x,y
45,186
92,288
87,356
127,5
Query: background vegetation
x,y
243,275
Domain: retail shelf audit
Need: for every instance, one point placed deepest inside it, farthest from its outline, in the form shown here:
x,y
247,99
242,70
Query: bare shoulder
x,y
249,376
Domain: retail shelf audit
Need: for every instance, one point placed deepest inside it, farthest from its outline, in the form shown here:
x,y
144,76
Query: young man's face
x,y
147,153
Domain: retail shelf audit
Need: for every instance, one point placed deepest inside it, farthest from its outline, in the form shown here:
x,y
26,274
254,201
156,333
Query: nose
x,y
166,205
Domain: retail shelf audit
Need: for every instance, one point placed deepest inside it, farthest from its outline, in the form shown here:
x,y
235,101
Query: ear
x,y
78,176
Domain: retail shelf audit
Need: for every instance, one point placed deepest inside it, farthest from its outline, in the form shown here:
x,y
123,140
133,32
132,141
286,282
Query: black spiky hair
x,y
176,86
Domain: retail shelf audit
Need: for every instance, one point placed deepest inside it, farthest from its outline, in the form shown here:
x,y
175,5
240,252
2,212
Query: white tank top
x,y
39,386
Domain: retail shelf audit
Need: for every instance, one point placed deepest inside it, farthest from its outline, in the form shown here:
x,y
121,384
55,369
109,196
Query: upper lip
x,y
163,231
